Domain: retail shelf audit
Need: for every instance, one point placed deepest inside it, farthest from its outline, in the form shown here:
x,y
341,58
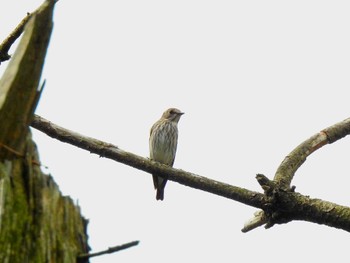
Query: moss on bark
x,y
37,223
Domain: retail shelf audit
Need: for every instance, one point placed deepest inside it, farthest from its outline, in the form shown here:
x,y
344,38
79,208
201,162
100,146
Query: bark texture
x,y
280,203
37,223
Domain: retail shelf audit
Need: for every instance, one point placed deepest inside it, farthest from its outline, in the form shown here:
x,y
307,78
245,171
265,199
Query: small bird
x,y
163,144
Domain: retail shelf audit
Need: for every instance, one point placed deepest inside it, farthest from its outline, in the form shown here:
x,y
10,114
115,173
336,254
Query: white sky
x,y
255,79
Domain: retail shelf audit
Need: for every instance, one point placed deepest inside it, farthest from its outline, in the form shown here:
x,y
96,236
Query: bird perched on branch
x,y
163,144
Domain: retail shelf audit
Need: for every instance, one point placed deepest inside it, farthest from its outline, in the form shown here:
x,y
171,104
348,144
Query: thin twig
x,y
12,37
108,251
11,150
19,155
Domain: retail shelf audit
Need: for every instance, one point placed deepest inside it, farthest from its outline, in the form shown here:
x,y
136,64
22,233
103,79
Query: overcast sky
x,y
255,79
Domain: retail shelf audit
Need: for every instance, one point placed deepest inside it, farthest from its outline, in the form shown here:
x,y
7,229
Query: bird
x,y
163,144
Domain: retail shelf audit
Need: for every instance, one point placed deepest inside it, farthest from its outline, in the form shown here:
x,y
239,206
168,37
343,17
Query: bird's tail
x,y
159,185
160,194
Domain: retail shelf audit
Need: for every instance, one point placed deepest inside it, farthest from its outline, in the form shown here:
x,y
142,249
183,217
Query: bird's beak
x,y
181,113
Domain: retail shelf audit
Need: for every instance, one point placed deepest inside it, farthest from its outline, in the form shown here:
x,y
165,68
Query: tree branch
x,y
297,157
110,250
285,172
280,205
110,151
8,42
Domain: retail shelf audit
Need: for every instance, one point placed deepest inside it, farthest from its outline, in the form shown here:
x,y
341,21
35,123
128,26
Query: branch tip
x,y
258,220
110,250
265,182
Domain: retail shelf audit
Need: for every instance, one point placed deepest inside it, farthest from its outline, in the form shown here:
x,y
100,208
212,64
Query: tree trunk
x,y
37,223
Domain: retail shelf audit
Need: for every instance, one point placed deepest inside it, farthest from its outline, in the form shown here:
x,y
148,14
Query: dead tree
x,y
37,223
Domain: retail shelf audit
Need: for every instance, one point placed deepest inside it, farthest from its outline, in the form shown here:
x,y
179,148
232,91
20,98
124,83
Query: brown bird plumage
x,y
163,144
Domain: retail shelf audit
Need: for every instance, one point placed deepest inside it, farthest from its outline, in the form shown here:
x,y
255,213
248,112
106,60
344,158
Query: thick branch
x,y
297,157
280,205
285,172
285,205
113,152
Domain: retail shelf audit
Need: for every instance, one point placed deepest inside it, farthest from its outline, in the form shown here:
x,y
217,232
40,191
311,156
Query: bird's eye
x,y
172,112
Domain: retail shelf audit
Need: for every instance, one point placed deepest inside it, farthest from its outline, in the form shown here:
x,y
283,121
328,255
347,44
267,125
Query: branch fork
x,y
279,203
279,191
